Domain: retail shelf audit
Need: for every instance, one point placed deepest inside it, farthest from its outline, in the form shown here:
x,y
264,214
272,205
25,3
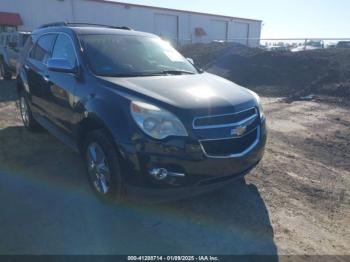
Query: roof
x,y
174,10
89,30
13,19
103,31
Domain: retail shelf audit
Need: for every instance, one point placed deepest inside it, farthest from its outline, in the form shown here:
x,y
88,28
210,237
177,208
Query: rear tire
x,y
103,167
27,118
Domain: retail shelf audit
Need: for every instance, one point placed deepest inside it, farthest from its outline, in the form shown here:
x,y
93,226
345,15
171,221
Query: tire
x,y
103,167
26,115
5,71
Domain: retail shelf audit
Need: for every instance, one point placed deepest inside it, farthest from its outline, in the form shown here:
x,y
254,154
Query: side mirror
x,y
190,60
61,65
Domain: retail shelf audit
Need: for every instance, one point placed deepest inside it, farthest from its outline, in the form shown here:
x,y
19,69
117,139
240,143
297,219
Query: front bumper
x,y
154,195
184,155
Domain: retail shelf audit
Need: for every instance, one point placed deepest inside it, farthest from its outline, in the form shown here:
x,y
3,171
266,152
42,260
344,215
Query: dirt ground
x,y
324,71
296,202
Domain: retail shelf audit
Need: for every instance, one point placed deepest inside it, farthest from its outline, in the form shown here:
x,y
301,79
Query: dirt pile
x,y
324,71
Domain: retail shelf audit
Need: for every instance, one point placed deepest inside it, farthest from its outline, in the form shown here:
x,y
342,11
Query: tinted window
x,y
125,55
64,49
24,39
42,49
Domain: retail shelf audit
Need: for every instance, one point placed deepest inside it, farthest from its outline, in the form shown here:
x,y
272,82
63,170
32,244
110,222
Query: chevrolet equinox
x,y
147,122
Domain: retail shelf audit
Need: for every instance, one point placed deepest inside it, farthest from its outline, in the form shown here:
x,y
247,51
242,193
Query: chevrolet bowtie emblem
x,y
238,131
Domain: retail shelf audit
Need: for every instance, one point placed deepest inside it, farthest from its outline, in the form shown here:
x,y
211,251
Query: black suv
x,y
145,119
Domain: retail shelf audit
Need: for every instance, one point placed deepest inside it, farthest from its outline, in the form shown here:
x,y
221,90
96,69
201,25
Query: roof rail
x,y
99,25
59,24
56,24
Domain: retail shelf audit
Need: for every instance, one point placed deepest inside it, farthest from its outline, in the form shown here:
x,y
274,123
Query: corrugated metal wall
x,y
179,27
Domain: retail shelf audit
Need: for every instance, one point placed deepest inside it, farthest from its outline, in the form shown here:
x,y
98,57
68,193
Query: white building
x,y
179,26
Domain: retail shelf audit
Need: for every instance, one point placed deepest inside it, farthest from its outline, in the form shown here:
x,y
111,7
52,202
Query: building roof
x,y
10,19
170,9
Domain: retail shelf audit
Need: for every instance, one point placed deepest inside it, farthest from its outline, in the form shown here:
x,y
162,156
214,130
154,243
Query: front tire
x,y
102,166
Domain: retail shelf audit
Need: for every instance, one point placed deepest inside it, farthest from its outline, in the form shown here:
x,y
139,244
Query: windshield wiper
x,y
177,72
131,74
138,74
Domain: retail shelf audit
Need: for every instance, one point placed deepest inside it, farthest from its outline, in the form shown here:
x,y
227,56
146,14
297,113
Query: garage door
x,y
218,30
239,33
166,26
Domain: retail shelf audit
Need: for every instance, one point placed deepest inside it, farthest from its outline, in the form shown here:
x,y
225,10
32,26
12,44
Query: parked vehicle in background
x,y
331,45
343,44
11,44
277,48
309,45
146,120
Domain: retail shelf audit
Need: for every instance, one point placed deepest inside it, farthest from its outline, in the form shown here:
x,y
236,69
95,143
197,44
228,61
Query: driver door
x,y
63,85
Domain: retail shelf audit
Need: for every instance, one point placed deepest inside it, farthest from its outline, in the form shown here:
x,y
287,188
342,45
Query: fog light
x,y
159,173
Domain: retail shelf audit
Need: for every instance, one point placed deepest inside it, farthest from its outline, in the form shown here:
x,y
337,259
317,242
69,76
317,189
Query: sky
x,y
281,18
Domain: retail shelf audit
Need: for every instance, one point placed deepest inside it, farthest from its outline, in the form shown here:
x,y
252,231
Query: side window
x,y
24,39
42,50
64,49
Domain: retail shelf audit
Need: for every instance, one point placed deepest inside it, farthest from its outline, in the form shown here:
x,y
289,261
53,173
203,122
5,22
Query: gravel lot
x,y
296,202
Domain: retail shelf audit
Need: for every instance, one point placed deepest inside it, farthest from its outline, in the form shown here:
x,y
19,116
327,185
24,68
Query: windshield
x,y
128,56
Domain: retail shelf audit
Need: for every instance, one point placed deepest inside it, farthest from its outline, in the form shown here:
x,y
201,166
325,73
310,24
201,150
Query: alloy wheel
x,y
98,168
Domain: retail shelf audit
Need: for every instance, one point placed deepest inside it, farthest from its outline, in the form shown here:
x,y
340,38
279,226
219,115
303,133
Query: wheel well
x,y
88,125
91,124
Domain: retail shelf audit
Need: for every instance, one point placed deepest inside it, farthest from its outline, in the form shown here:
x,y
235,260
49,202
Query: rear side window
x,y
42,50
64,49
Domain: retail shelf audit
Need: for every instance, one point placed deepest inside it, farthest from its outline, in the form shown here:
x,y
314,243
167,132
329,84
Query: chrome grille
x,y
231,147
225,120
240,131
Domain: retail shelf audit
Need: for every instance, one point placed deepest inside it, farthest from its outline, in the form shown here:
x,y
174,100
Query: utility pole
x,y
72,10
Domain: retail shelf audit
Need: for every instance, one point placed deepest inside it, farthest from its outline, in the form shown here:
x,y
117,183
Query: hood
x,y
197,92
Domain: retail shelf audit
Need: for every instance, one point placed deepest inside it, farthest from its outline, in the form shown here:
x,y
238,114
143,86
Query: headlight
x,y
258,101
156,122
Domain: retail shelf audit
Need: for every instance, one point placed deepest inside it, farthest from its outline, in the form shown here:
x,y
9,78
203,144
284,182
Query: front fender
x,y
113,114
